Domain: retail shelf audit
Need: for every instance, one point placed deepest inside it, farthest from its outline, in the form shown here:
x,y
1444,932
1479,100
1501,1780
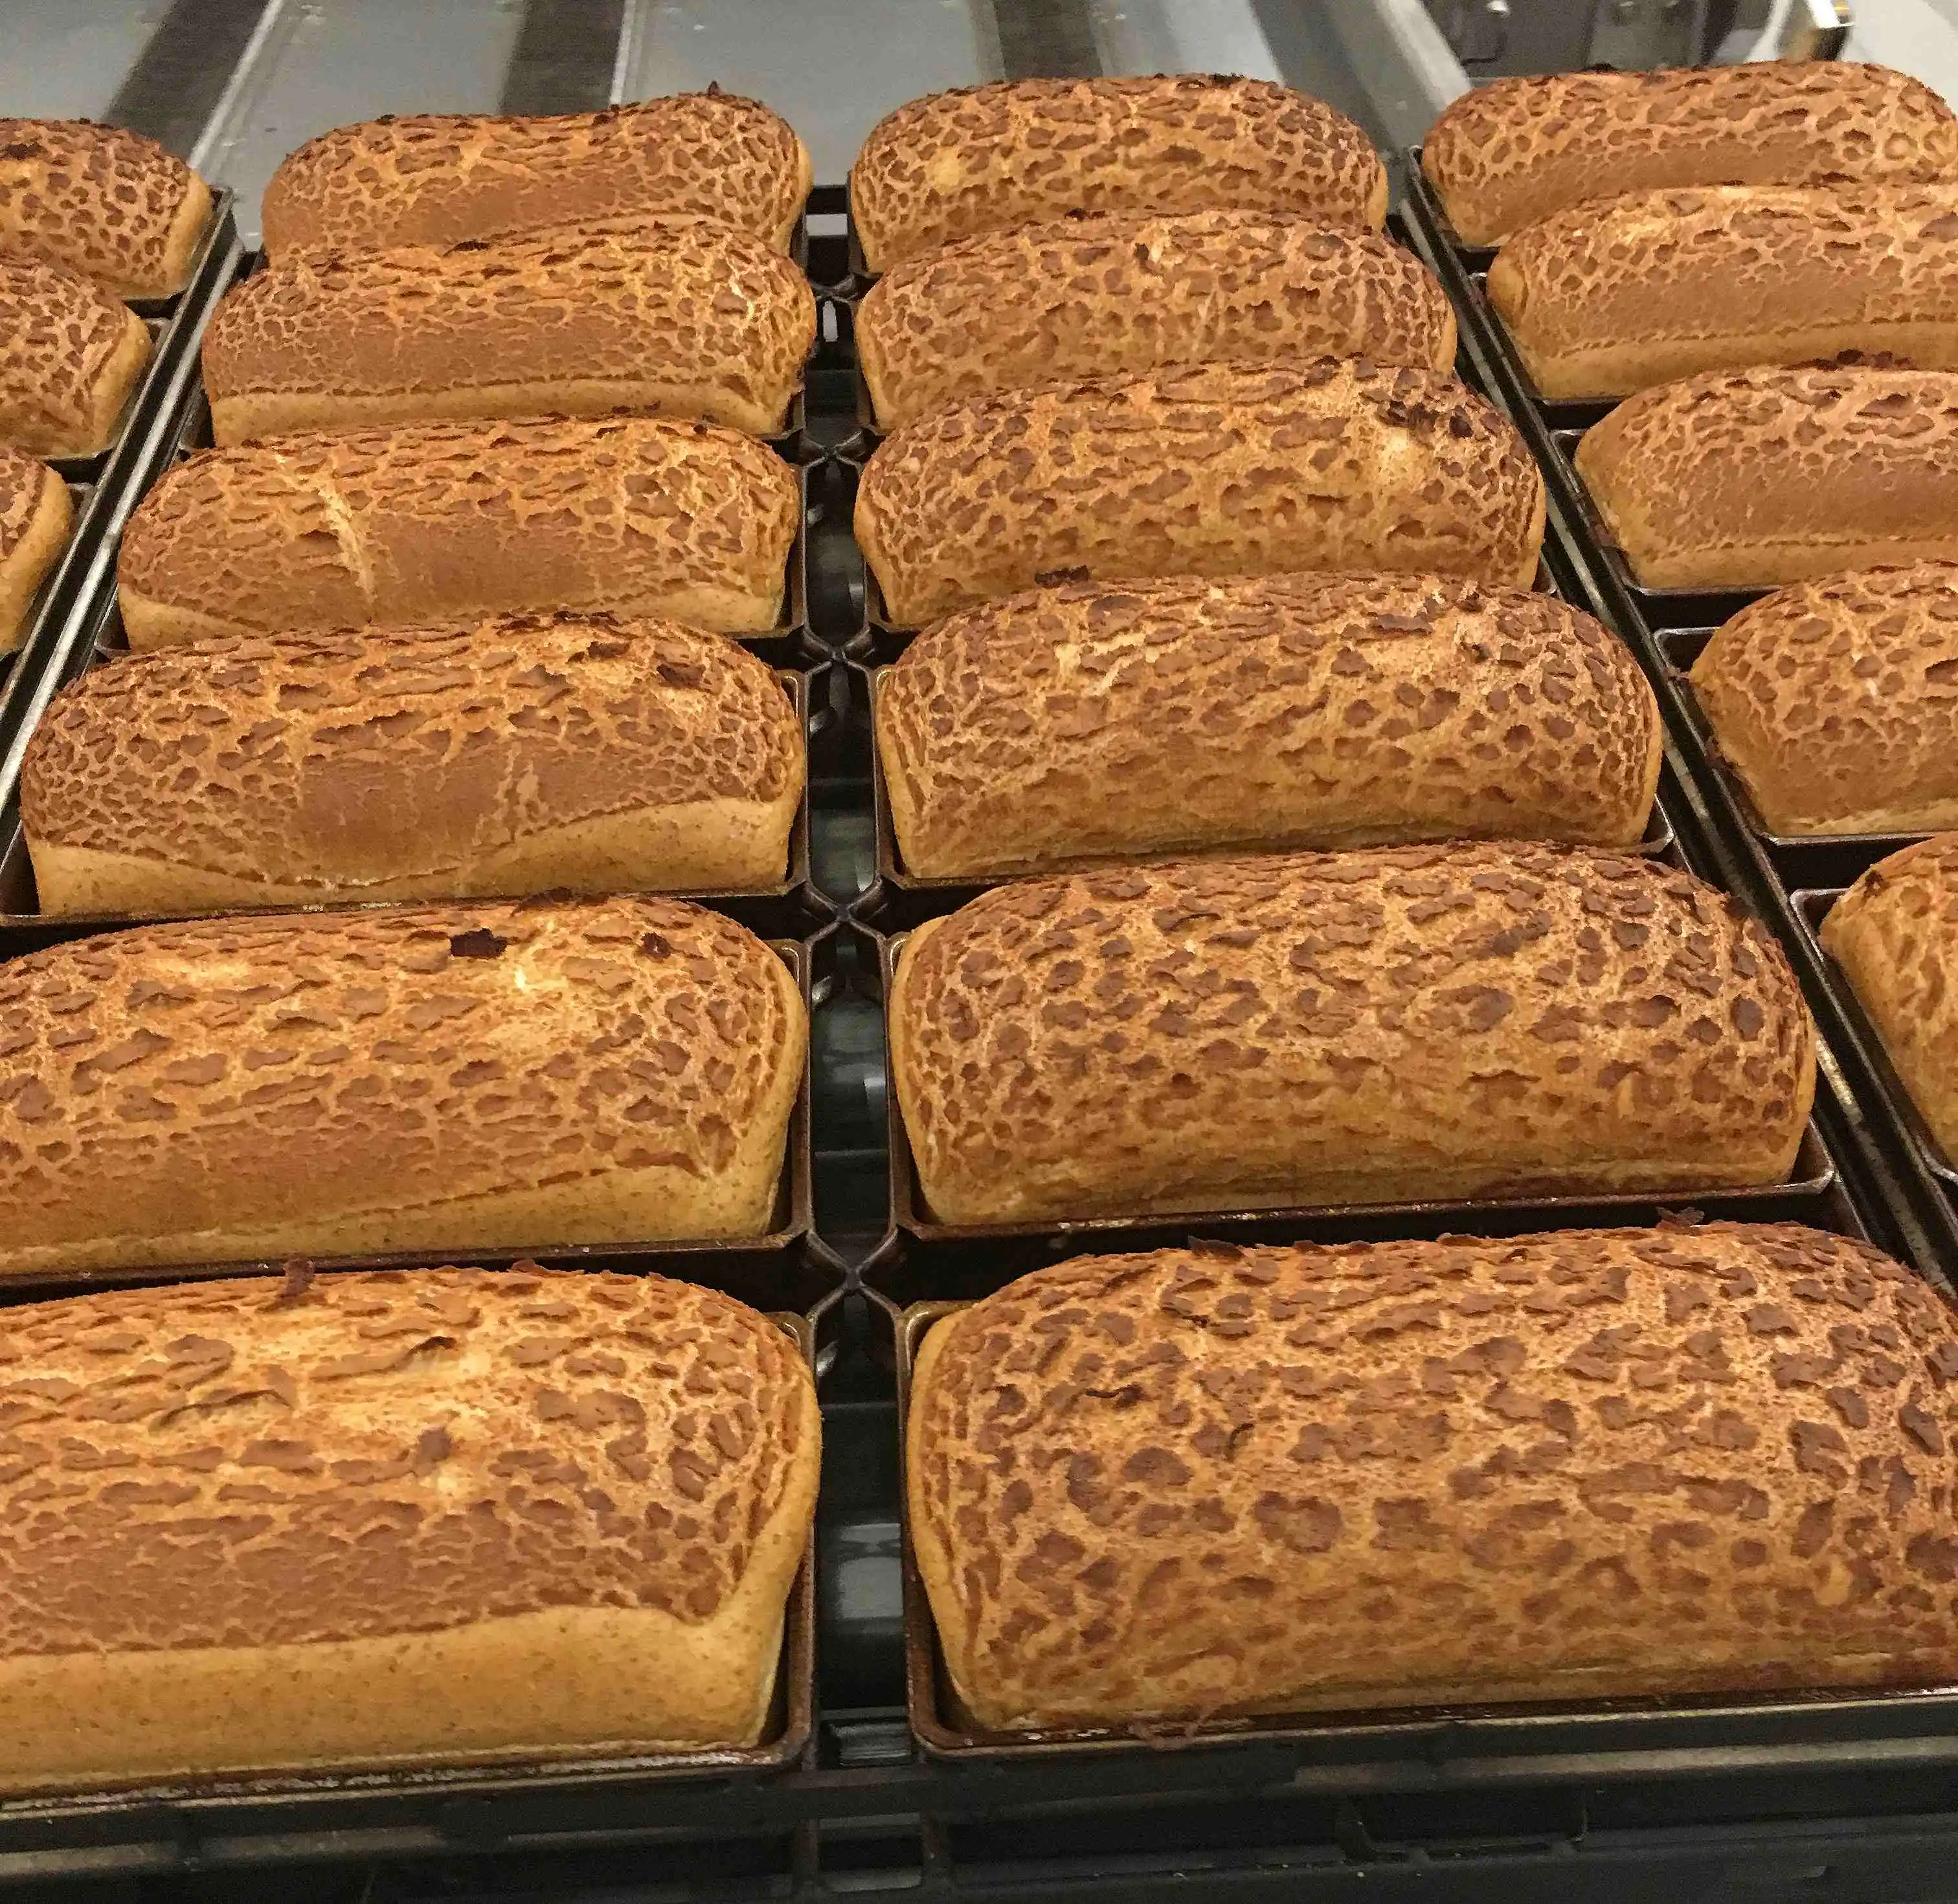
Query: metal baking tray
x,y
778,1269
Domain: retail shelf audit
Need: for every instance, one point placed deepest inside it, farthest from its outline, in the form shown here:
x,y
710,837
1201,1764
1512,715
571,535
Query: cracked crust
x,y
70,354
1120,295
402,1517
435,522
1391,1024
428,178
1110,721
1520,148
1218,1482
36,514
522,755
680,317
1020,152
494,1076
1749,478
1218,470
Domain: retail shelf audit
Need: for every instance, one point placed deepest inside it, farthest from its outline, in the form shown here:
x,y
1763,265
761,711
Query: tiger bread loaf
x,y
1397,1024
431,179
70,354
1895,933
110,204
526,754
1021,152
680,316
36,514
1608,298
1507,153
1221,470
494,1077
1105,721
419,1518
449,522
1749,478
1213,1482
1835,702
1125,292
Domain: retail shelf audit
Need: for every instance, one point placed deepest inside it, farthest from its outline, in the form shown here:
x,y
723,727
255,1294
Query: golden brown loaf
x,y
109,204
679,316
1216,1481
430,179
1895,932
1835,702
1392,1024
1110,720
70,354
419,1517
446,522
522,755
483,1077
1219,470
1515,151
1606,299
1019,152
1127,293
1748,479
36,514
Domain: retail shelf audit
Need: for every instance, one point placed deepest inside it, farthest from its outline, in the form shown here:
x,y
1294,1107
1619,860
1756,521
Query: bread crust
x,y
1120,294
70,354
524,754
1895,933
486,1077
415,1518
1521,147
1217,1481
431,178
1217,471
629,515
36,516
1750,479
1087,720
1606,299
1391,1024
1834,701
109,204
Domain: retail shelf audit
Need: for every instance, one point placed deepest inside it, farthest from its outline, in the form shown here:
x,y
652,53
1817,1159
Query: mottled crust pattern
x,y
681,316
70,354
1111,720
1392,1024
1607,298
35,515
1021,152
1749,478
1505,154
448,521
1218,470
1895,932
1835,702
110,204
344,763
336,1083
1220,1481
1122,294
430,179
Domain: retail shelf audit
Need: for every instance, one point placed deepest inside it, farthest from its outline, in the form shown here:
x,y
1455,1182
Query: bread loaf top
x,y
252,1464
1016,152
1220,1480
1391,1023
430,179
1507,154
262,1066
1115,293
60,334
110,204
23,482
481,733
1835,701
